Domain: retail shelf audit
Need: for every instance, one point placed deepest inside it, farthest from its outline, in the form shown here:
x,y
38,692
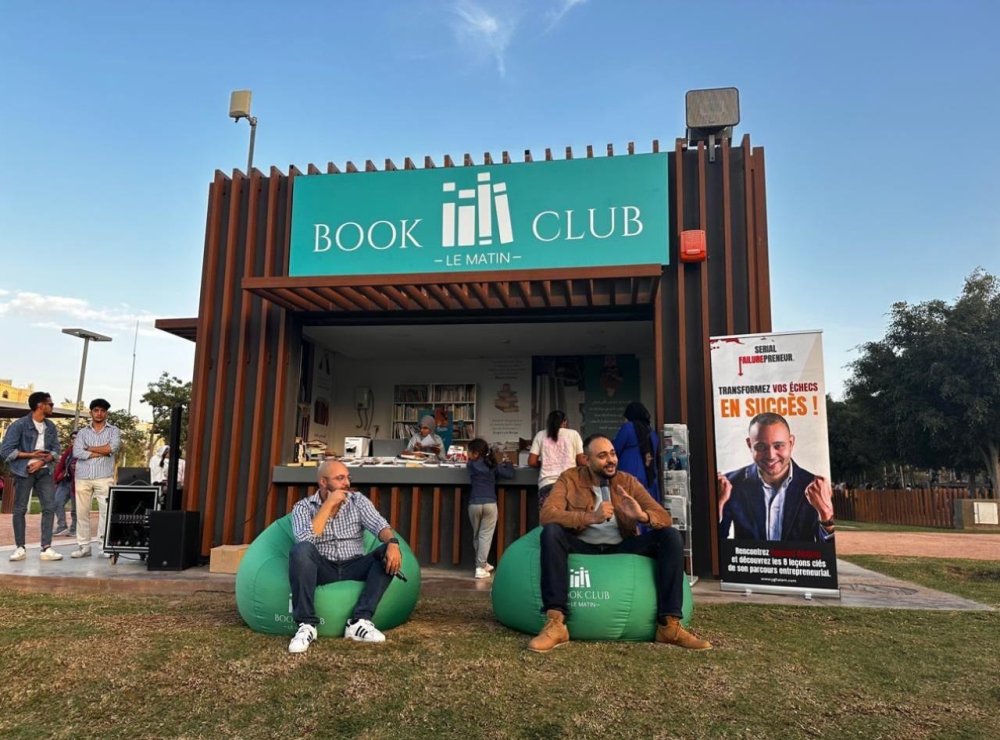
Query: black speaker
x,y
174,540
133,476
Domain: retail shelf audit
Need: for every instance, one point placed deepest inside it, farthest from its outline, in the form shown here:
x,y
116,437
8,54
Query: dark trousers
x,y
45,488
665,546
307,569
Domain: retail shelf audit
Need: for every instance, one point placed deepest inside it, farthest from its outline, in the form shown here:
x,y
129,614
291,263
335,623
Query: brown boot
x,y
673,634
553,634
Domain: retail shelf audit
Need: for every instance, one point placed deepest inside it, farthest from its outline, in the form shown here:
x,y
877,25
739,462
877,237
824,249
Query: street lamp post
x,y
87,337
239,107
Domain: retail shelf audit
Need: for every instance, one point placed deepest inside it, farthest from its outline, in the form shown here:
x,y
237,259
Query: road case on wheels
x,y
127,525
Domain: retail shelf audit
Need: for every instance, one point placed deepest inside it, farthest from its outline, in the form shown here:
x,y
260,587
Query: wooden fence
x,y
923,507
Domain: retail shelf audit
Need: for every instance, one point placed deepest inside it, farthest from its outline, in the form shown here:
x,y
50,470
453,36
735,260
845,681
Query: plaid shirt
x,y
343,535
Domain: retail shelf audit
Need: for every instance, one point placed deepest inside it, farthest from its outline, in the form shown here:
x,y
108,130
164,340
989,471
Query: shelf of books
x,y
452,404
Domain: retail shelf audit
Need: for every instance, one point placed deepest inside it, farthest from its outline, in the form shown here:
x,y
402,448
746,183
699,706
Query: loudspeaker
x,y
133,476
174,540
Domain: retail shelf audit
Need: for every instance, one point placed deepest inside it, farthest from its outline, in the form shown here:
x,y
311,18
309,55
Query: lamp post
x,y
87,337
239,107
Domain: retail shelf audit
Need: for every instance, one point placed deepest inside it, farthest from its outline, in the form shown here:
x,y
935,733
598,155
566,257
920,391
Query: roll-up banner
x,y
775,499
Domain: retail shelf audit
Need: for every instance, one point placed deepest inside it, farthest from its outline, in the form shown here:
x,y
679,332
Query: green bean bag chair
x,y
611,597
263,593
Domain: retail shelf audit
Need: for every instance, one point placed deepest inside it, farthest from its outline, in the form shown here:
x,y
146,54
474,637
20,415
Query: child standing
x,y
483,473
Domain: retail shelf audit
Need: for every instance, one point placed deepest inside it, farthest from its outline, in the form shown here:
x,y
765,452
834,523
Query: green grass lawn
x,y
978,580
847,524
130,666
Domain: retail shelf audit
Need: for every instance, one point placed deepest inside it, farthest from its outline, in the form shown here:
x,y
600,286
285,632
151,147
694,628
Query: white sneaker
x,y
83,551
362,630
49,554
18,554
482,573
488,568
303,638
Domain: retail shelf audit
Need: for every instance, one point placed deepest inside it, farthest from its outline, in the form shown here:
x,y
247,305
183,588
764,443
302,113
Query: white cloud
x,y
54,311
556,15
481,31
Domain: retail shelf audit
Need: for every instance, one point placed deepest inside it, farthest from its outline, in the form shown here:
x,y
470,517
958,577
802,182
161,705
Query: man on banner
x,y
773,498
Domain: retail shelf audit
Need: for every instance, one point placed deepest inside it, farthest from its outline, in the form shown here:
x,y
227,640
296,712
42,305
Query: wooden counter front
x,y
428,505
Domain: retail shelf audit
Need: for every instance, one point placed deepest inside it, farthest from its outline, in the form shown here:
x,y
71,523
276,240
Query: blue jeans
x,y
665,546
307,569
64,493
45,488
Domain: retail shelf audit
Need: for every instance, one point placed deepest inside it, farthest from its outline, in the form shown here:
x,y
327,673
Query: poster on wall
x,y
611,383
775,501
505,405
321,398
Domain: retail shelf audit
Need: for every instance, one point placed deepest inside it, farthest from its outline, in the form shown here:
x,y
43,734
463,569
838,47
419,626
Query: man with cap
x,y
95,448
31,447
426,440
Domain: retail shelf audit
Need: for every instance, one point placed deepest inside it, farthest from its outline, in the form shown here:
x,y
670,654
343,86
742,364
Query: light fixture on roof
x,y
239,107
710,114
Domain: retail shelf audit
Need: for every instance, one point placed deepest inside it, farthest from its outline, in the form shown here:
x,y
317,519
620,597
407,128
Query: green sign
x,y
527,216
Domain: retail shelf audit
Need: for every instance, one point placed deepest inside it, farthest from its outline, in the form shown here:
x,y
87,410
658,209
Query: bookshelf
x,y
458,400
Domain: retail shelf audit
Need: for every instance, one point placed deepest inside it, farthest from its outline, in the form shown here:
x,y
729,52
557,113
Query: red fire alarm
x,y
693,245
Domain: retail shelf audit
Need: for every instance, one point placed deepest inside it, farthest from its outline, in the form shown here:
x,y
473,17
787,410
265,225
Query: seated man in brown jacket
x,y
596,510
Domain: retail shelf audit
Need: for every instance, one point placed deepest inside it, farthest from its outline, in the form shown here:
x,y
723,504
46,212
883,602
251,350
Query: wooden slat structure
x,y
920,507
250,317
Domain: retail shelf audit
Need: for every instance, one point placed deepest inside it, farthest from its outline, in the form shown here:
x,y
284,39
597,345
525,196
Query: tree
x,y
162,396
933,381
134,447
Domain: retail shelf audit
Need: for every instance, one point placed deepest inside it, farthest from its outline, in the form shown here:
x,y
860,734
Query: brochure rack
x,y
676,488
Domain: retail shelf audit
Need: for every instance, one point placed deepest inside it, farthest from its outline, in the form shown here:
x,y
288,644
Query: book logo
x,y
579,578
475,215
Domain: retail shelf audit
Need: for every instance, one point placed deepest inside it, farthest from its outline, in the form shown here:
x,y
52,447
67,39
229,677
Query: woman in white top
x,y
160,463
553,450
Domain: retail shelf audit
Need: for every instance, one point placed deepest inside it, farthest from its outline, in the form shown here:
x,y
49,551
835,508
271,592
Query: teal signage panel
x,y
526,216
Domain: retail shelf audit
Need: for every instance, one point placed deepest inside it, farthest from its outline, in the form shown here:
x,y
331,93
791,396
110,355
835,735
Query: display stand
x,y
676,488
127,524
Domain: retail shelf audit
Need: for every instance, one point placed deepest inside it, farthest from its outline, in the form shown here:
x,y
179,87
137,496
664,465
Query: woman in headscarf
x,y
425,440
160,463
637,447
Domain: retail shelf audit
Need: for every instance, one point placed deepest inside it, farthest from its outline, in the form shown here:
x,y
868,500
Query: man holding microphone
x,y
595,510
329,547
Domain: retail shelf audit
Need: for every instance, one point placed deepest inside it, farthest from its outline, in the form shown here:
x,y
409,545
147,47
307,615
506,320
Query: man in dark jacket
x,y
30,447
773,498
596,510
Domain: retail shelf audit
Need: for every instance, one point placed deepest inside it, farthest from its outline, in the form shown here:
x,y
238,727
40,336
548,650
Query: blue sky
x,y
877,121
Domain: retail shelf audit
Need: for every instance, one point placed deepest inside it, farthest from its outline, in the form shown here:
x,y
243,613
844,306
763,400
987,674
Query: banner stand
x,y
807,593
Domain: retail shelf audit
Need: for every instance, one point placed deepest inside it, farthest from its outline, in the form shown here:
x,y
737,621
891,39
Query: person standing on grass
x,y
329,531
484,470
94,449
66,490
30,447
596,509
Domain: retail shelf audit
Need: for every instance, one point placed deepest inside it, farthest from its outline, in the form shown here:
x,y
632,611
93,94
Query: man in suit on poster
x,y
773,498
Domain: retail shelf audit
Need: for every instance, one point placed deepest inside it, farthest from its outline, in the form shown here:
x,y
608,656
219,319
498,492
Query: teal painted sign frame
x,y
526,216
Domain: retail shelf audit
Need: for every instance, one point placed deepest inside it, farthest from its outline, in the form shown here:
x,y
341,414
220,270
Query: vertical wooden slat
x,y
760,224
375,496
727,235
501,531
456,529
414,517
751,242
394,509
436,527
199,386
682,353
523,518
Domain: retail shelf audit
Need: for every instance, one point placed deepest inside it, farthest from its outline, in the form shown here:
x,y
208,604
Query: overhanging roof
x,y
632,285
183,328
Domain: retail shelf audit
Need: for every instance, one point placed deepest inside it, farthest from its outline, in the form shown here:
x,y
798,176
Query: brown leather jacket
x,y
572,500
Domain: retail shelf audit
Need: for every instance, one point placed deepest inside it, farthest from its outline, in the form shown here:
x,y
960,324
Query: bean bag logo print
x,y
581,594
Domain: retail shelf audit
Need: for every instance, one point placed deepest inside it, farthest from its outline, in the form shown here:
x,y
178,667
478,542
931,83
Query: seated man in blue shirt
x,y
773,498
329,532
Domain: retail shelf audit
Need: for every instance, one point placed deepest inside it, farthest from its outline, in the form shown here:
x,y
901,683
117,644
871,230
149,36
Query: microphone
x,y
400,576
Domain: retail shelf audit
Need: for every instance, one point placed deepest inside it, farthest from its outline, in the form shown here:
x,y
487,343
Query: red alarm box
x,y
693,245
